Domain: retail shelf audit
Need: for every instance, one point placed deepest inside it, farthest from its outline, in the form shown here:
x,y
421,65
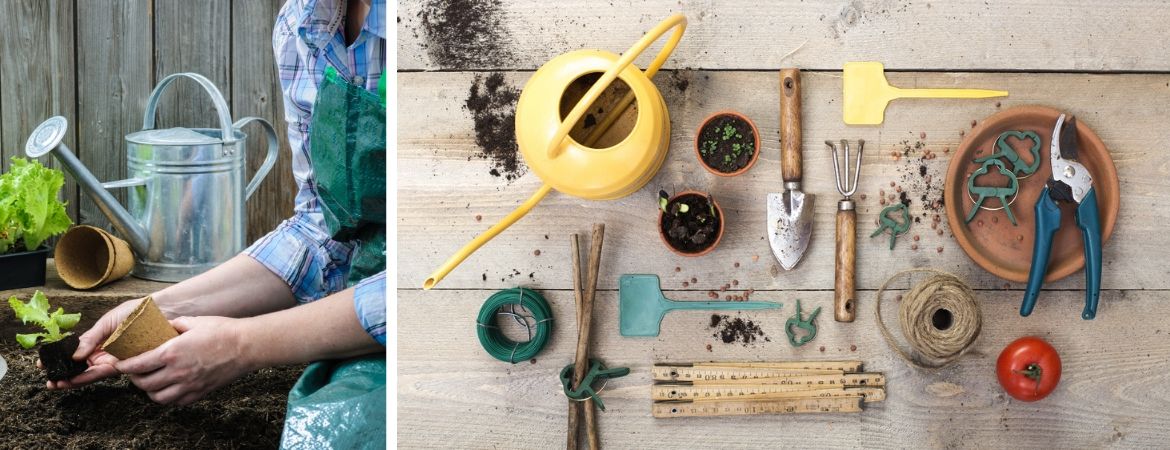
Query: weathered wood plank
x,y
192,37
256,92
1113,390
114,57
819,34
38,72
443,187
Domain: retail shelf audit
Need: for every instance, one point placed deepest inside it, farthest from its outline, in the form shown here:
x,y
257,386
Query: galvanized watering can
x,y
185,206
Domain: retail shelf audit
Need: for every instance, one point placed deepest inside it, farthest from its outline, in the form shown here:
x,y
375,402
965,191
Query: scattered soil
x,y
465,34
694,230
733,330
58,359
726,143
492,104
249,413
919,181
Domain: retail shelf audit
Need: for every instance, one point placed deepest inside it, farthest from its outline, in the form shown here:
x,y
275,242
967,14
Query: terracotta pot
x,y
718,237
755,136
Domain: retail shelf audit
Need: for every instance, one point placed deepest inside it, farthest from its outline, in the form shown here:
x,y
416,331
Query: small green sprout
x,y
36,311
683,208
711,204
663,200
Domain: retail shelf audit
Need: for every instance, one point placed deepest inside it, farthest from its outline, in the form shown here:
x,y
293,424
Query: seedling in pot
x,y
691,223
727,143
56,344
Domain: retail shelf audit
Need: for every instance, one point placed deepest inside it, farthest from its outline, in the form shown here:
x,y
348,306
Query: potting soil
x,y
114,414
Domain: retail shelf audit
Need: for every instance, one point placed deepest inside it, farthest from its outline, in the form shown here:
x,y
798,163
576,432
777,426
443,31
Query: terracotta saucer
x,y
990,239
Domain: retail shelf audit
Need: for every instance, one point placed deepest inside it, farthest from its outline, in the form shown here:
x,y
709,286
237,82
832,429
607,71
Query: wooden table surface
x,y
1108,65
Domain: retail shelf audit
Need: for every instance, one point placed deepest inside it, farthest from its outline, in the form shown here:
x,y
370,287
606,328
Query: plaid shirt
x,y
308,38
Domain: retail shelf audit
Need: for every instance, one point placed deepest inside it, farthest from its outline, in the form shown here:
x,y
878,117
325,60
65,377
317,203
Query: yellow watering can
x,y
576,168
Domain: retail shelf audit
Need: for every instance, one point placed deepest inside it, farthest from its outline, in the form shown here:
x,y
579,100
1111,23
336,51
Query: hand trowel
x,y
642,305
866,93
790,212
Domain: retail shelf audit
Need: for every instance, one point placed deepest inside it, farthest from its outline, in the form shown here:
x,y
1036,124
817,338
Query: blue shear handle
x,y
1047,222
1090,224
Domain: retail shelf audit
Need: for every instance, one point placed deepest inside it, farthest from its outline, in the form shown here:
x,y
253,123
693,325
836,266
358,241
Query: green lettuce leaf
x,y
29,208
37,311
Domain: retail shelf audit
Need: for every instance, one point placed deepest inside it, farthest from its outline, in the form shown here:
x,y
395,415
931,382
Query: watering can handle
x,y
677,21
221,108
269,161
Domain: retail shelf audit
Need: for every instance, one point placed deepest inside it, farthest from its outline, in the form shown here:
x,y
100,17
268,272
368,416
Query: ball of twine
x,y
923,315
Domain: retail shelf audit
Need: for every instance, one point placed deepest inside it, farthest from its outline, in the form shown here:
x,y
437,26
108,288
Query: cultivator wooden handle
x,y
844,299
790,156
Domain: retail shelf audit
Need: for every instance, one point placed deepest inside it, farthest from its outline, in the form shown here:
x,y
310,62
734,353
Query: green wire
x,y
494,341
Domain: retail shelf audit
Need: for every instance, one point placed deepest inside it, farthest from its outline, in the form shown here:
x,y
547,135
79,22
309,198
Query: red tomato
x,y
1028,369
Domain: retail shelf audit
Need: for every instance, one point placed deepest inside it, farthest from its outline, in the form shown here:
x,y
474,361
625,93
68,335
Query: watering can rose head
x,y
30,212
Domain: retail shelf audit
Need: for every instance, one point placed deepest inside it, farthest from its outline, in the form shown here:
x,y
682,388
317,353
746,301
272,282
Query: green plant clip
x,y
1003,150
896,228
808,325
1000,192
597,372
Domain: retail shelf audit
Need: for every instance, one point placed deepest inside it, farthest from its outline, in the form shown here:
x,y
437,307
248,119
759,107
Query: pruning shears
x,y
1070,182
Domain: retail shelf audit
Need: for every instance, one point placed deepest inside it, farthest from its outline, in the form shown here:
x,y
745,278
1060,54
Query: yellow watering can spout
x,y
478,242
597,175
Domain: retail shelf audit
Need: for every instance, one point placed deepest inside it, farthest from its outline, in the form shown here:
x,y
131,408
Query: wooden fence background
x,y
96,61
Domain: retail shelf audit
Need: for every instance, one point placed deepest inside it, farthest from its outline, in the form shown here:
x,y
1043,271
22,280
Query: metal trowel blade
x,y
789,226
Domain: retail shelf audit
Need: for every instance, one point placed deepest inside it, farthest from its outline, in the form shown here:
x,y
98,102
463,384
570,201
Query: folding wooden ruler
x,y
743,388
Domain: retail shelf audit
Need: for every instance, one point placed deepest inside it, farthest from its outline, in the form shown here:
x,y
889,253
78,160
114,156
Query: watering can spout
x,y
46,139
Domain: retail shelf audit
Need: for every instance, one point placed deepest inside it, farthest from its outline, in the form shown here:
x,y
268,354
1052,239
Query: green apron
x,y
342,404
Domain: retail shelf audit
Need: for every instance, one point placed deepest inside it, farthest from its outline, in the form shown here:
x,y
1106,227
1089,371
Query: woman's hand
x,y
101,364
208,354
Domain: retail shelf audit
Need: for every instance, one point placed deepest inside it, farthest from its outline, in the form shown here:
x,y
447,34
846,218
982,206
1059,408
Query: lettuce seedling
x,y
56,324
30,212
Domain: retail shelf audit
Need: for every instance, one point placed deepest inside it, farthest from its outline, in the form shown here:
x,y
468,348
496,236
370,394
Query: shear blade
x,y
1069,145
789,226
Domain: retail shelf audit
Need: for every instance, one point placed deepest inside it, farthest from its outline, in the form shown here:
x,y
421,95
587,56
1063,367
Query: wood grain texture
x,y
443,186
37,78
844,267
823,34
115,48
1113,391
192,37
791,154
255,91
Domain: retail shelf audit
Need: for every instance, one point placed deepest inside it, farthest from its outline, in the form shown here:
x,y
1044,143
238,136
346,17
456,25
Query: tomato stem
x,y
1033,372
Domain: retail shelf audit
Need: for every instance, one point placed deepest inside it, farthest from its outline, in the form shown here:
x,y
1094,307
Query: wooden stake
x,y
578,370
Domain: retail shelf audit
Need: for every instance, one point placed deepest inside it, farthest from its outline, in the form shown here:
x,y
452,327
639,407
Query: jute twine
x,y
941,291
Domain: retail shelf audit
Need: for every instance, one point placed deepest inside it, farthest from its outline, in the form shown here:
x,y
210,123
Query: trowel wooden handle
x,y
844,299
790,160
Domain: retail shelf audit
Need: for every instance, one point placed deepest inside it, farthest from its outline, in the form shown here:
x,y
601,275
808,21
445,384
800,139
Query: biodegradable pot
x,y
25,269
144,329
88,257
663,225
57,358
714,119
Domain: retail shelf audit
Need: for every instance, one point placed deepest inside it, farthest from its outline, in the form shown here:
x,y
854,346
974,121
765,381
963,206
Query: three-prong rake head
x,y
844,185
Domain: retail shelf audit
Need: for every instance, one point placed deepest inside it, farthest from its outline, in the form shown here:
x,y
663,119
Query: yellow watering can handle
x,y
678,22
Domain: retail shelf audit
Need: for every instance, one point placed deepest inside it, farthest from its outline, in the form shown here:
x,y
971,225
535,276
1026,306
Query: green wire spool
x,y
494,341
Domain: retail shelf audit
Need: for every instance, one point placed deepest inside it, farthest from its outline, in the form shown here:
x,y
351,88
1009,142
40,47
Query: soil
x,y
492,103
726,143
466,34
58,359
693,231
731,330
249,413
